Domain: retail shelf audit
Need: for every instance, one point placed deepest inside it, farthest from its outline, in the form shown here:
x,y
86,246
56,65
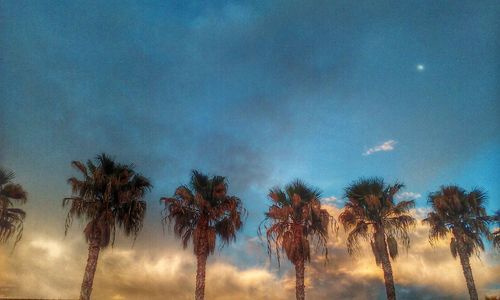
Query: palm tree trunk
x,y
201,259
388,277
464,260
300,293
386,264
200,272
88,277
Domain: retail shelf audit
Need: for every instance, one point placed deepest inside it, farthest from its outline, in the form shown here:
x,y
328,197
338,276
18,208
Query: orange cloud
x,y
424,271
46,267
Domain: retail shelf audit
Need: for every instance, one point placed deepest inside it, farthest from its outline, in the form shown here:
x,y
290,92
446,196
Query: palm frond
x,y
80,166
109,195
496,234
6,176
11,218
453,248
371,208
294,220
361,230
202,212
392,245
460,213
14,191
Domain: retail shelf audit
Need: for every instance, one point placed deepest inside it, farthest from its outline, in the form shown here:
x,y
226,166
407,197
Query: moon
x,y
420,68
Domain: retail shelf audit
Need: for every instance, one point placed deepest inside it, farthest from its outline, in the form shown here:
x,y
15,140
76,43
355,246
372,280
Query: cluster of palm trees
x,y
109,195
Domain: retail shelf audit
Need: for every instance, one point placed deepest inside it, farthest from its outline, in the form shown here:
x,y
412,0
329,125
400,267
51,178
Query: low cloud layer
x,y
42,267
124,273
424,272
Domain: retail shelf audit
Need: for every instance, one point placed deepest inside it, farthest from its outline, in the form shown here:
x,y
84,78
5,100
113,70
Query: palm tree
x,y
461,213
11,218
109,195
496,233
200,212
372,214
292,222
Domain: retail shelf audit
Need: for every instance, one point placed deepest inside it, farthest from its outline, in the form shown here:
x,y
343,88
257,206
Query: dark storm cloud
x,y
245,167
152,92
149,83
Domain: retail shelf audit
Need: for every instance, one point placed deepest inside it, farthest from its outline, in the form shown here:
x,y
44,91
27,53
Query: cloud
x,y
52,248
332,200
418,273
408,196
127,273
156,271
386,146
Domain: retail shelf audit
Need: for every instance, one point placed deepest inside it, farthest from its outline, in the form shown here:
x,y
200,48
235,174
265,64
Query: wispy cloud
x,y
386,146
332,200
408,196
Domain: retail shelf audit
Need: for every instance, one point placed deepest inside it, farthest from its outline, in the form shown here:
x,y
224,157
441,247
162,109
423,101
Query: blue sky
x,y
262,92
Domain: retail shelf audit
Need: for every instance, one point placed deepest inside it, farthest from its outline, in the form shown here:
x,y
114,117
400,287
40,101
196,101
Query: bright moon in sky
x,y
420,67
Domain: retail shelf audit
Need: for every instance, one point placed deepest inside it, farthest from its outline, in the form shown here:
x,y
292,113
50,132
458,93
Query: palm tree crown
x,y
11,218
109,194
295,217
371,207
461,213
203,209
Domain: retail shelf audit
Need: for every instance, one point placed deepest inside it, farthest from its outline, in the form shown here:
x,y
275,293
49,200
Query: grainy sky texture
x,y
262,92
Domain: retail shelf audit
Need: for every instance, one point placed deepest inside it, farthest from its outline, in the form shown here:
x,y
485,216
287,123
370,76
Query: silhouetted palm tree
x,y
294,219
11,218
109,195
200,212
496,233
372,214
462,214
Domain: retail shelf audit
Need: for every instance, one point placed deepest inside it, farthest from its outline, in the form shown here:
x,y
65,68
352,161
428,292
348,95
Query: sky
x,y
261,92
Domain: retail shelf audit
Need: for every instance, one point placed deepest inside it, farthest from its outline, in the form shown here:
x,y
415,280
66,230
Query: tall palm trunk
x,y
464,260
300,293
386,263
201,259
88,277
200,274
